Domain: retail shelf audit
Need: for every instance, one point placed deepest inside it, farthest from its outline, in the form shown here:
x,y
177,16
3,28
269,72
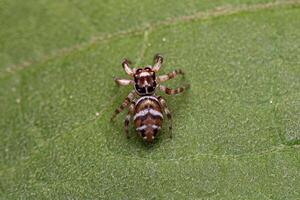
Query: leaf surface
x,y
236,130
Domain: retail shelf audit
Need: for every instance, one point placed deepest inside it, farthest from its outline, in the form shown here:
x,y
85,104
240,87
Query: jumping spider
x,y
145,106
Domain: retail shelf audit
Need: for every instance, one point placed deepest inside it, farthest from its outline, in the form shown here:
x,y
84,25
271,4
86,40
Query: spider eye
x,y
147,68
138,70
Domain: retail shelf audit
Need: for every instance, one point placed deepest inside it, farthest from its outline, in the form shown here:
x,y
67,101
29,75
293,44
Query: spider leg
x,y
123,81
167,112
170,75
127,119
125,103
158,60
126,67
173,91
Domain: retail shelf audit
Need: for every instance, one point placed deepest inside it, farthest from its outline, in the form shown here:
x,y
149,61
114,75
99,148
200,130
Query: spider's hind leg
x,y
166,111
125,103
127,119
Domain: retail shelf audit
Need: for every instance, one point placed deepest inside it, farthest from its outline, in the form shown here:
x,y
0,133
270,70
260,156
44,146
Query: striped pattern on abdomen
x,y
148,116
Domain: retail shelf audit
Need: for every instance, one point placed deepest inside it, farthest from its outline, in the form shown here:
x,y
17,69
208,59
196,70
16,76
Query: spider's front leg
x,y
126,67
167,112
127,119
170,91
170,75
158,60
125,103
124,82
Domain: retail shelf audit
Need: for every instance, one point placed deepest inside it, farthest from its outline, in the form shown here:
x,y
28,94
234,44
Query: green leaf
x,y
236,130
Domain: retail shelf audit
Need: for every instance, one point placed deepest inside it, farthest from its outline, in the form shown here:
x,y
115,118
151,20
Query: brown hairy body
x,y
146,108
148,117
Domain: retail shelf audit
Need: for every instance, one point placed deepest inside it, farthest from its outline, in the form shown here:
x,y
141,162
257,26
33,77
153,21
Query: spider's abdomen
x,y
148,117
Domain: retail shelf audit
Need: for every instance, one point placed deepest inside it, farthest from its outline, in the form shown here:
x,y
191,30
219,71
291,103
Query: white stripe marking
x,y
146,97
142,113
141,128
144,74
155,113
144,127
156,127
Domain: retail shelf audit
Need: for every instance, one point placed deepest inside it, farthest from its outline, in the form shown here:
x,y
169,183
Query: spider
x,y
144,105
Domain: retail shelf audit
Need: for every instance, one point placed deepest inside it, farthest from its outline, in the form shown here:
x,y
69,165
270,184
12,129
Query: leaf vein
x,y
202,15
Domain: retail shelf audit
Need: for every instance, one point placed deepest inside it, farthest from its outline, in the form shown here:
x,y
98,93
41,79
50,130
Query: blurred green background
x,y
236,130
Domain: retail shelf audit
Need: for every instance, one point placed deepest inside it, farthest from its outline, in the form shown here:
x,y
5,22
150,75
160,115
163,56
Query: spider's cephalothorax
x,y
144,81
145,106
